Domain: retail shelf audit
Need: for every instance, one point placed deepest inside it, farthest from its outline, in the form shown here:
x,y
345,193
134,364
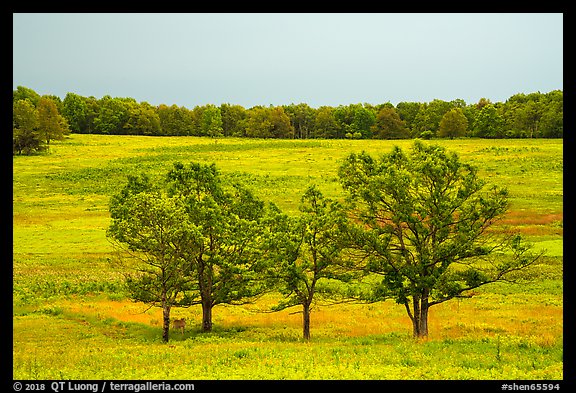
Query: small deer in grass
x,y
179,324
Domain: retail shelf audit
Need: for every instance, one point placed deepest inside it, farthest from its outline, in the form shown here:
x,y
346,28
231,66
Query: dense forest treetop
x,y
533,115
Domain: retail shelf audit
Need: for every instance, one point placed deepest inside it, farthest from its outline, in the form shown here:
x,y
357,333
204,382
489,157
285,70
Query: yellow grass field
x,y
71,319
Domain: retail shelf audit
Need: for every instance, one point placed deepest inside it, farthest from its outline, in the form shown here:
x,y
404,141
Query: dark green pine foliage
x,y
188,240
423,223
306,253
225,264
152,234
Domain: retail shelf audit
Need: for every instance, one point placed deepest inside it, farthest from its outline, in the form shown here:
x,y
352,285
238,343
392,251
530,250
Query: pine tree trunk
x,y
206,315
166,322
419,316
424,319
306,321
205,283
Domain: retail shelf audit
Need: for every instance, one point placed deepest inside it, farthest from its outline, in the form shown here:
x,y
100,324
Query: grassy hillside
x,y
72,321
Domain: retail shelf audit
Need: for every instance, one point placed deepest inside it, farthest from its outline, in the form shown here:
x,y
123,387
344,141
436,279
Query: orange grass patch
x,y
125,311
481,316
478,318
532,223
521,217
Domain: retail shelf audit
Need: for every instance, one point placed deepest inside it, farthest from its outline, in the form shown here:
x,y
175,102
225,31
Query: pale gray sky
x,y
282,58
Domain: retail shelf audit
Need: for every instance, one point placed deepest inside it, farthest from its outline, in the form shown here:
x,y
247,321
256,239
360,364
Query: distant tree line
x,y
36,121
534,115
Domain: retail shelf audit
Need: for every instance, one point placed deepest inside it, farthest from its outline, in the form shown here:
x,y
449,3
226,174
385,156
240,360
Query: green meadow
x,y
72,320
